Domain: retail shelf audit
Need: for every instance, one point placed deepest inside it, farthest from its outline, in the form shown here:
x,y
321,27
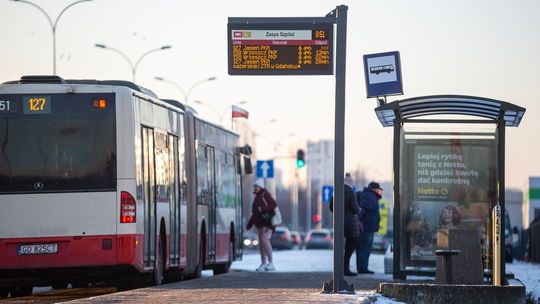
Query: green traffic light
x,y
300,158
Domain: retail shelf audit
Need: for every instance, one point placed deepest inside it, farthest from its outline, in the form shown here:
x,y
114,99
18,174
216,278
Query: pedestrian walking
x,y
262,211
351,230
370,218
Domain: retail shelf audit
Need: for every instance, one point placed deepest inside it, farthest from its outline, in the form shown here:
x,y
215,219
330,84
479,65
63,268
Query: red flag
x,y
239,112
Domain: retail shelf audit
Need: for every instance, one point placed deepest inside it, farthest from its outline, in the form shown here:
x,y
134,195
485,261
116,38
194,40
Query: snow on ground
x,y
322,260
305,261
528,274
314,261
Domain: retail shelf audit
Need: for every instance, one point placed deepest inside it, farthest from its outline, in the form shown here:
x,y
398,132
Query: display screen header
x,y
280,49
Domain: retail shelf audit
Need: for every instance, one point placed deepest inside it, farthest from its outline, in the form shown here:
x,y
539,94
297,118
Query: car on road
x,y
281,238
319,239
381,241
250,240
297,240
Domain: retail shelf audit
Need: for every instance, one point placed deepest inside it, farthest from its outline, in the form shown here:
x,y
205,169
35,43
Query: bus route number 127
x,y
37,104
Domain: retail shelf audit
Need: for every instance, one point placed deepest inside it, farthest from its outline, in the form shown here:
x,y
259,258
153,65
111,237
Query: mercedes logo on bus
x,y
38,186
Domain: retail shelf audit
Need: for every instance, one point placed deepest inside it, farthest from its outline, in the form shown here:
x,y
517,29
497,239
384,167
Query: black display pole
x,y
338,283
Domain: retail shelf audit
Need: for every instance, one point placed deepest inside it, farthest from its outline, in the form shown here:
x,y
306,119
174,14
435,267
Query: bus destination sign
x,y
280,49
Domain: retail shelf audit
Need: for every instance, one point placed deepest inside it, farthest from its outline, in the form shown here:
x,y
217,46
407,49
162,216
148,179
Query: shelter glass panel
x,y
448,179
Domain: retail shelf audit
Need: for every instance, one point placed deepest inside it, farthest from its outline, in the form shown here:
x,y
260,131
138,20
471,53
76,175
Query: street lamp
x,y
188,92
273,120
131,65
277,142
53,25
211,107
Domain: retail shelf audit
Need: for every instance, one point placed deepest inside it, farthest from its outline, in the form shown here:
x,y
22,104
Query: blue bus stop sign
x,y
383,74
265,168
327,193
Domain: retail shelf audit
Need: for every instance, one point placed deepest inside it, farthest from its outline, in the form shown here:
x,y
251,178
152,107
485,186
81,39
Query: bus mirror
x,y
238,166
247,165
245,149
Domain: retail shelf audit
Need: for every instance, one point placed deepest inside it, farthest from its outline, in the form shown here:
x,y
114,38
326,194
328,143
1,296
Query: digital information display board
x,y
280,49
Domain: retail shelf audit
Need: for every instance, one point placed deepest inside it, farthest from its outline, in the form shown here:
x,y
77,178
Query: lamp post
x,y
131,65
184,92
220,117
277,142
273,120
52,24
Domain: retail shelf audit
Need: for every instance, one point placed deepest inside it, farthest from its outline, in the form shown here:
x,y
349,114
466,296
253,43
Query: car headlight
x,y
247,242
255,242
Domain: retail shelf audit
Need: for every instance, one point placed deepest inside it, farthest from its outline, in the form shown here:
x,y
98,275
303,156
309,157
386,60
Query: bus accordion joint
x,y
128,208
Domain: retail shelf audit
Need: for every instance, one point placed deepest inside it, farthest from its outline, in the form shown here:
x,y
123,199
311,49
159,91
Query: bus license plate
x,y
37,249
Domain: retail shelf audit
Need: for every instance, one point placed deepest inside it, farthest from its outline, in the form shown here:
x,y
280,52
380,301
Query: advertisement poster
x,y
452,186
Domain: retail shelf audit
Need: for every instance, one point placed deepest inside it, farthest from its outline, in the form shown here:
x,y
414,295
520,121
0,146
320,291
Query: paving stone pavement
x,y
248,287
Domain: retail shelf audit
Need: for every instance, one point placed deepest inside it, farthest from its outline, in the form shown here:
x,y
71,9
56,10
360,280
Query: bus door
x,y
174,201
238,206
212,206
149,197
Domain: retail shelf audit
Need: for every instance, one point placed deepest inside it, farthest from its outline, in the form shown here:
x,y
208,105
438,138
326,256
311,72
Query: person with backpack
x,y
368,201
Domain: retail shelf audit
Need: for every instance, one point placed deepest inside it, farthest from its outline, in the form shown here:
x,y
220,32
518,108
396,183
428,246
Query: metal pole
x,y
308,200
319,208
498,238
339,284
502,200
54,48
295,202
397,273
53,25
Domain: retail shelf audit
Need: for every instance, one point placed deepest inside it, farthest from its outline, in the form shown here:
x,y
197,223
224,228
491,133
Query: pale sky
x,y
480,48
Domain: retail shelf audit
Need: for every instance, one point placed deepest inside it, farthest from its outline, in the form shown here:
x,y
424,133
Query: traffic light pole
x,y
338,284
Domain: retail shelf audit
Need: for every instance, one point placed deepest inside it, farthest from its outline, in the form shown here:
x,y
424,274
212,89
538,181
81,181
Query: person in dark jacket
x,y
351,231
370,218
262,211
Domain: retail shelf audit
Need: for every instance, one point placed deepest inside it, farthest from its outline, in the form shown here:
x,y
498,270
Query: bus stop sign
x,y
383,74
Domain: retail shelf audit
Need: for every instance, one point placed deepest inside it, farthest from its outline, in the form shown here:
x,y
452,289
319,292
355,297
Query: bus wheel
x,y
224,268
158,267
21,291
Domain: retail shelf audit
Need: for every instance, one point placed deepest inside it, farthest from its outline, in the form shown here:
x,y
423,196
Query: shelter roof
x,y
415,107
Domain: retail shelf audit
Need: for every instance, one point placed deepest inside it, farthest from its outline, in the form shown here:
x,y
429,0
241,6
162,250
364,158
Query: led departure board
x,y
280,49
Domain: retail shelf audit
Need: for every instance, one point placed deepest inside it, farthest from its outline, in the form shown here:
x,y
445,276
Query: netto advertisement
x,y
452,184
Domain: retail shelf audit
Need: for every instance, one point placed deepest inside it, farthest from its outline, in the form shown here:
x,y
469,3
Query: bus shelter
x,y
448,159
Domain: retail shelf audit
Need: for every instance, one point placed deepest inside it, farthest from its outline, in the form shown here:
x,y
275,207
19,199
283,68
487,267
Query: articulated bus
x,y
101,181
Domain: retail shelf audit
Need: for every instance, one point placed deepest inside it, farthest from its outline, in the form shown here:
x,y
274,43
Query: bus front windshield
x,y
57,142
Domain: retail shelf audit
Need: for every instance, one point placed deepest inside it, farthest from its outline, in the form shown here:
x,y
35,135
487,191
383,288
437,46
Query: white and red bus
x,y
103,181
